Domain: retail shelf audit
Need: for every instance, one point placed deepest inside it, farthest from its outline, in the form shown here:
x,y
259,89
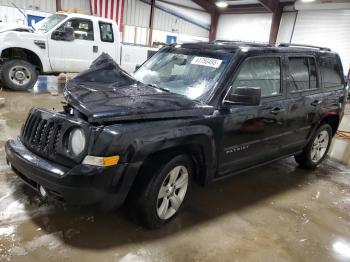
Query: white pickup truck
x,y
62,42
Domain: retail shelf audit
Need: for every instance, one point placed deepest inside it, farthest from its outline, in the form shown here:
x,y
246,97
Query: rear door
x,y
305,98
253,134
108,40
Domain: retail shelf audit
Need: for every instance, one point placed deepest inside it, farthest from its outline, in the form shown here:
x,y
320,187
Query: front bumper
x,y
80,185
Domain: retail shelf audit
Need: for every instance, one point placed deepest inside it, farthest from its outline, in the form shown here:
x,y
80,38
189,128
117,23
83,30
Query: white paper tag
x,y
206,61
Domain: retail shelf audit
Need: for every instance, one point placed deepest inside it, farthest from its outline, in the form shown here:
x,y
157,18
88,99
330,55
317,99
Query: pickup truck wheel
x,y
317,149
18,75
163,193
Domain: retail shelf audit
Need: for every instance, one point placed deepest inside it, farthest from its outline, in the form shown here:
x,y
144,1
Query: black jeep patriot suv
x,y
200,111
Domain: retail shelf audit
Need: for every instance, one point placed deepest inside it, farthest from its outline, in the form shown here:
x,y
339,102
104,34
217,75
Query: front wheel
x,y
317,149
161,194
18,75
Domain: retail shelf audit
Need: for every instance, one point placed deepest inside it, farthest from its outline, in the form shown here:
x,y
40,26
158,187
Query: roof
x,y
86,16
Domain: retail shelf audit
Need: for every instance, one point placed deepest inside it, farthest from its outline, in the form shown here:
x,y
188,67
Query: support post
x,y
213,26
151,20
58,6
275,25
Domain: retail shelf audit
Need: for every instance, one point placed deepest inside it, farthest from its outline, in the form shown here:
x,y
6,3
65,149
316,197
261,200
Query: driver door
x,y
75,55
253,134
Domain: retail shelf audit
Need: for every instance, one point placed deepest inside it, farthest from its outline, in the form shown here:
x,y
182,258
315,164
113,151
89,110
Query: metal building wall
x,y
137,13
171,23
80,6
48,6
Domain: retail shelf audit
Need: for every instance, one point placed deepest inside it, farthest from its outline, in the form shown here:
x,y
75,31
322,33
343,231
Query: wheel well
x,y
333,121
25,54
194,151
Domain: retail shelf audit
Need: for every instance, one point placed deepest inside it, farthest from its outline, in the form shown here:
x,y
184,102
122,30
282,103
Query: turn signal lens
x,y
101,161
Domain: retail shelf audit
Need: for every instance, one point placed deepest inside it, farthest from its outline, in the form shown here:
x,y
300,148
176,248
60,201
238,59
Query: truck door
x,y
108,40
305,98
75,55
254,134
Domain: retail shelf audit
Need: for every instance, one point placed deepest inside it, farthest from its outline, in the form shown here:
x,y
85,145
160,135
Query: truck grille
x,y
41,135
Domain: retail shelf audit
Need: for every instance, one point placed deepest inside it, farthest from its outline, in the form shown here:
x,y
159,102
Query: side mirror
x,y
244,96
137,67
67,34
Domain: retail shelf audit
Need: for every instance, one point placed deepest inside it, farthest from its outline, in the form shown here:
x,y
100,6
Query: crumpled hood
x,y
105,92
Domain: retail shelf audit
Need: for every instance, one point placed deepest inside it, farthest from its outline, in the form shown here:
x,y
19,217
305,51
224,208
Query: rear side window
x,y
263,72
302,74
331,73
106,32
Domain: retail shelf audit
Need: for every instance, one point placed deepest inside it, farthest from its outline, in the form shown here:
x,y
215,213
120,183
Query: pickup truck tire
x,y
18,75
163,192
316,150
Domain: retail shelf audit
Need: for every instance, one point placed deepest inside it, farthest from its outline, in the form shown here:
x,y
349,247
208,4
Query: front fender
x,y
14,40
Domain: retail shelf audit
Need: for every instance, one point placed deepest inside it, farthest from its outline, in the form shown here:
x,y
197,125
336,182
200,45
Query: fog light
x,y
42,191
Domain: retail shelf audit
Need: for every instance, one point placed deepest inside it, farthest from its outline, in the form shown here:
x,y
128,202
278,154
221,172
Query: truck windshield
x,y
189,72
48,23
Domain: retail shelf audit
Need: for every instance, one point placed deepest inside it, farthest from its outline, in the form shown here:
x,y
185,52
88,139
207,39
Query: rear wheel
x,y
160,195
18,75
317,149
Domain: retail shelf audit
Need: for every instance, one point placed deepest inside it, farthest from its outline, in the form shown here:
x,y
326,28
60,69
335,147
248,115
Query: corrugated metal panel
x,y
12,15
170,23
80,6
136,13
286,27
48,6
246,27
329,28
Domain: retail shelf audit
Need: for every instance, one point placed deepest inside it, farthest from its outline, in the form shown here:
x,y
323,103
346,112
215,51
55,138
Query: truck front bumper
x,y
80,185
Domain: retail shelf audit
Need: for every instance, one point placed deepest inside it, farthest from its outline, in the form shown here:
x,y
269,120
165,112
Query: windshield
x,y
49,22
189,72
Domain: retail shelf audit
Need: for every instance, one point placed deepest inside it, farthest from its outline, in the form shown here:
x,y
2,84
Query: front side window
x,y
83,28
106,32
302,74
189,72
263,72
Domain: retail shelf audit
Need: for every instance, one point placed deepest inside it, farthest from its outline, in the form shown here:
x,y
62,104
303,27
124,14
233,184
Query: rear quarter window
x,y
331,72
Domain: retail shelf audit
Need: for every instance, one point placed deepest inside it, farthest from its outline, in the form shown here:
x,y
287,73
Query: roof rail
x,y
238,42
301,45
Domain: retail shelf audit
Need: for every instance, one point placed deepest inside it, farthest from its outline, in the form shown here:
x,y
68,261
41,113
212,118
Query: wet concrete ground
x,y
275,213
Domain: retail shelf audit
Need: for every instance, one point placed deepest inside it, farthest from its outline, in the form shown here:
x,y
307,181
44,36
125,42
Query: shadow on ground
x,y
90,229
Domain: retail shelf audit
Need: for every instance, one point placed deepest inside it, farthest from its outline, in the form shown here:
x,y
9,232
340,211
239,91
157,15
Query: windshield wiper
x,y
161,88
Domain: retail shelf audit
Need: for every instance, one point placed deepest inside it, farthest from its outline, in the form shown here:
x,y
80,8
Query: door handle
x,y
95,48
277,110
316,102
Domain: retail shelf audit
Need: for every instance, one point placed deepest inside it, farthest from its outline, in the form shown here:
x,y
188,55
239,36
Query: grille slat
x,y
41,135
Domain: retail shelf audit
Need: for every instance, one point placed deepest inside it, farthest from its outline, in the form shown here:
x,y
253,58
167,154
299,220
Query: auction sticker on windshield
x,y
206,61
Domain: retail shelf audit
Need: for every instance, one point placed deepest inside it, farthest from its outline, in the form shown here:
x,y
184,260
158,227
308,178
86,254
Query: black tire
x,y
305,158
28,70
143,201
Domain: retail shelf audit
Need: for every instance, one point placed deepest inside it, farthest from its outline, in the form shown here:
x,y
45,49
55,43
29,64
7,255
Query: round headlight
x,y
77,141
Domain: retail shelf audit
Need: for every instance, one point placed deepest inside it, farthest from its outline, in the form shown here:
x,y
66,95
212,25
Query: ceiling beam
x,y
270,5
206,5
244,9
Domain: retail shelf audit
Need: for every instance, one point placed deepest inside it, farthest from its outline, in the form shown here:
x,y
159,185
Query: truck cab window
x,y
83,29
263,72
106,32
